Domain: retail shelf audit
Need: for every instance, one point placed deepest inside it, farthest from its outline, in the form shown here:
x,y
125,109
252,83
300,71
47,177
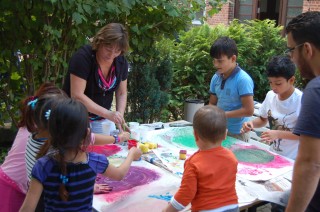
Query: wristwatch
x,y
116,139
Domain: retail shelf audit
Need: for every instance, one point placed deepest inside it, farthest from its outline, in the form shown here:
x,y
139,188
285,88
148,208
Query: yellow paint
x,y
144,148
151,145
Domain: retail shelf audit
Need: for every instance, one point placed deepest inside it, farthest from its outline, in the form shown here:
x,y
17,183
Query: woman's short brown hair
x,y
210,123
113,34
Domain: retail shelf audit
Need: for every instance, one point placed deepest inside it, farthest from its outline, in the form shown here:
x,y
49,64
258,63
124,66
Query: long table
x,y
152,181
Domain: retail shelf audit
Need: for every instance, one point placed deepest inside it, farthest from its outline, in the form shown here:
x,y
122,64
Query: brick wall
x,y
312,5
227,13
224,16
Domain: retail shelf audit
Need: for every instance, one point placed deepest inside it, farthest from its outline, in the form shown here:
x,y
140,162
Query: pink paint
x,y
250,171
106,150
136,176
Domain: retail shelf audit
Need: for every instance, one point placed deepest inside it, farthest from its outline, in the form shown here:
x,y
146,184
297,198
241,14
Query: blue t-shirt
x,y
229,92
81,179
309,124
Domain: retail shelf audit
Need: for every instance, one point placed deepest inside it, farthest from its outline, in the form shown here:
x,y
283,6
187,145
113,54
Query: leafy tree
x,y
48,32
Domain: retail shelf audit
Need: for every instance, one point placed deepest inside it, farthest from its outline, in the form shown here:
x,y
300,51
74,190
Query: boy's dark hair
x,y
281,66
223,46
68,127
210,123
305,28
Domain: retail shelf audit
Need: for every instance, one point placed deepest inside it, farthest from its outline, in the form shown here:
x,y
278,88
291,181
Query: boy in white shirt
x,y
280,108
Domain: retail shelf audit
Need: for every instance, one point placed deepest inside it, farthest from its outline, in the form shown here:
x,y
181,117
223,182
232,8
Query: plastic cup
x,y
133,125
106,127
135,134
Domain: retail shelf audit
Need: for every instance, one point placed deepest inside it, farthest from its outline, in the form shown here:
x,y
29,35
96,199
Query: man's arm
x,y
306,174
246,110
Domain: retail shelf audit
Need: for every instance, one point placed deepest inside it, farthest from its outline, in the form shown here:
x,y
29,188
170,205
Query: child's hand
x,y
246,127
101,188
123,136
269,136
135,152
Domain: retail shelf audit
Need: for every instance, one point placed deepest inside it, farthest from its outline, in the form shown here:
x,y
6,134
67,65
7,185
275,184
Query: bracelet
x,y
116,139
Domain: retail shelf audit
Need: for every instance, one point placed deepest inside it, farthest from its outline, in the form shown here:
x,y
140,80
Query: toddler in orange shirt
x,y
209,176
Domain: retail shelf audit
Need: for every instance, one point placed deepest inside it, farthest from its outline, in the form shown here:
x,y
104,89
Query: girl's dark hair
x,y
281,66
41,118
223,46
210,123
68,129
47,88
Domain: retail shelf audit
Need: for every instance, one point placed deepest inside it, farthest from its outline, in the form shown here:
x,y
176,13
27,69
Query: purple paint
x,y
135,177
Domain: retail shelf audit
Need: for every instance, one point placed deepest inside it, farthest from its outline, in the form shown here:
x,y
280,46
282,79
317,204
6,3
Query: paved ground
x,y
264,208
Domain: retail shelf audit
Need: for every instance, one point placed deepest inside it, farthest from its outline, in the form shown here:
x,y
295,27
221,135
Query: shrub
x,y
257,42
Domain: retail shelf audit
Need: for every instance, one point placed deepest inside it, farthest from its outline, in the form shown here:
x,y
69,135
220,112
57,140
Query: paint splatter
x,y
253,156
258,158
167,197
250,171
136,176
107,150
229,142
183,136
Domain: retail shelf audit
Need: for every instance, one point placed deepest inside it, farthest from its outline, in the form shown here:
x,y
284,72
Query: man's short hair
x,y
305,28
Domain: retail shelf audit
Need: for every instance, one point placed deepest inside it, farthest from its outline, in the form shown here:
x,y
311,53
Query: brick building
x,y
280,10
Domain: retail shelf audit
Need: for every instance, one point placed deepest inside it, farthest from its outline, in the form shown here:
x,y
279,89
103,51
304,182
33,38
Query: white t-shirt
x,y
282,115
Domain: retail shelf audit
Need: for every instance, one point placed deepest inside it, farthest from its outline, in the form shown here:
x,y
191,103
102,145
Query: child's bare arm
x,y
101,139
246,110
118,173
271,135
33,196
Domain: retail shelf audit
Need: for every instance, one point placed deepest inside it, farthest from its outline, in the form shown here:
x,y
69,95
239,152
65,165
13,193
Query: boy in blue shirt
x,y
231,88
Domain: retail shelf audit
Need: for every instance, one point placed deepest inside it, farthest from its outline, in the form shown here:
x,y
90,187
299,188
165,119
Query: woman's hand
x,y
115,117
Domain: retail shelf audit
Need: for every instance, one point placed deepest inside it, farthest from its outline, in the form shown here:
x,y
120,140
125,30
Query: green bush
x,y
148,91
257,42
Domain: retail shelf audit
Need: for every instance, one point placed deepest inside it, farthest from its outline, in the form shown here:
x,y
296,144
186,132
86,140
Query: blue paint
x,y
167,197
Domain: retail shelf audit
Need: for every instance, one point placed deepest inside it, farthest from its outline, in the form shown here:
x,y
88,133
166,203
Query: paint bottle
x,y
144,148
132,143
183,154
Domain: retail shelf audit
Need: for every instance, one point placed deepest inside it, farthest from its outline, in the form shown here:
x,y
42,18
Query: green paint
x,y
228,142
253,156
184,136
185,140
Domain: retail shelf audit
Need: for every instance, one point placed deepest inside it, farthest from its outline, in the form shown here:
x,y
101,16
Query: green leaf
x,y
77,17
15,76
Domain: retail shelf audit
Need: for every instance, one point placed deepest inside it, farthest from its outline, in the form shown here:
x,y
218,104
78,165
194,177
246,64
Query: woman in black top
x,y
99,70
